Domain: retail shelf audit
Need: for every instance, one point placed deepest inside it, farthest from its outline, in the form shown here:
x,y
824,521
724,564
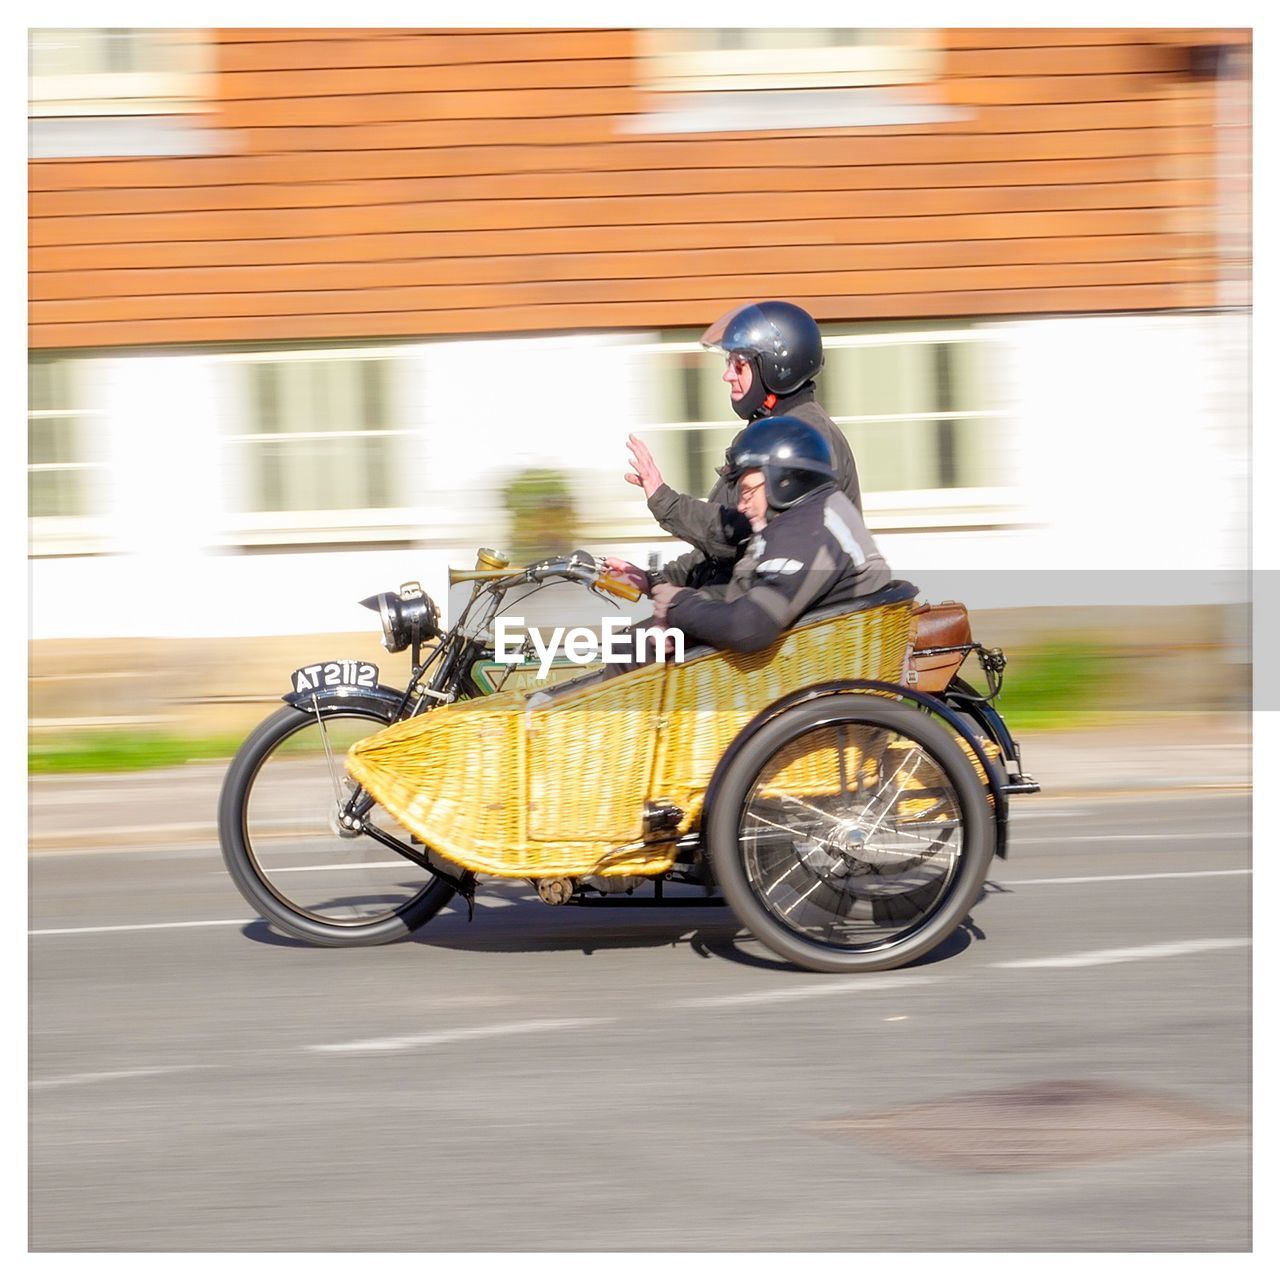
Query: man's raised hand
x,y
644,471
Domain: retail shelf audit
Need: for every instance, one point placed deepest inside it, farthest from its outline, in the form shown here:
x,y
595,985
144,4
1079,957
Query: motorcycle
x,y
844,790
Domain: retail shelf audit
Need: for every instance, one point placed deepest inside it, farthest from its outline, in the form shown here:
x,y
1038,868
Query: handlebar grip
x,y
618,587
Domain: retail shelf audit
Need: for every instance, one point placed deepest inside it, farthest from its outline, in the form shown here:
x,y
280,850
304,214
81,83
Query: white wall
x,y
1132,455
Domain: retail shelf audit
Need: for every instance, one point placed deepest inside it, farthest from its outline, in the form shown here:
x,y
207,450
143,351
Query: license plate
x,y
348,672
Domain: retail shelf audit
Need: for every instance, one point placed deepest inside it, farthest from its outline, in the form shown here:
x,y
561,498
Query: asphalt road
x,y
624,1078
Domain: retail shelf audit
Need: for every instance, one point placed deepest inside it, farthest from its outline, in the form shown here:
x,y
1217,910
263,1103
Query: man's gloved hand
x,y
663,594
645,473
628,572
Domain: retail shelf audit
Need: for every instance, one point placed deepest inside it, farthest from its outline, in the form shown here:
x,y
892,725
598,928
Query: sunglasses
x,y
736,362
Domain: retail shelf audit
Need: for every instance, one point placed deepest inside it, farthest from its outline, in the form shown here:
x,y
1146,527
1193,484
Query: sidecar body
x,y
604,776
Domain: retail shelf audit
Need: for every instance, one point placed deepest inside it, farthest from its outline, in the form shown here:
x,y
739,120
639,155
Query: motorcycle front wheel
x,y
288,856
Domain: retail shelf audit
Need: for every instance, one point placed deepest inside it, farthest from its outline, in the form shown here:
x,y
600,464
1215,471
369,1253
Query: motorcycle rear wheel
x,y
277,831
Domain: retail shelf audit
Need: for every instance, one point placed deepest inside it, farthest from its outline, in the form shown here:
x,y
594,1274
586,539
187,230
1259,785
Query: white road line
x,y
488,900
394,1044
97,1077
1119,955
1144,835
135,928
1044,815
348,866
175,829
1145,875
786,994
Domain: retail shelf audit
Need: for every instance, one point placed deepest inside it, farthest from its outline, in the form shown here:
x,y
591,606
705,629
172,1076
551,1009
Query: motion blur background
x,y
314,312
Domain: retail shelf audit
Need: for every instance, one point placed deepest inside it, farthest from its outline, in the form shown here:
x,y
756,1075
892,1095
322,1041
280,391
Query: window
x,y
321,450
739,78
695,421
919,405
113,71
917,408
735,58
65,460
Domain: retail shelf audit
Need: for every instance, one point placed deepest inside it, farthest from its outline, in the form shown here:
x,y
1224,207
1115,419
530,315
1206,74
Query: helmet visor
x,y
744,329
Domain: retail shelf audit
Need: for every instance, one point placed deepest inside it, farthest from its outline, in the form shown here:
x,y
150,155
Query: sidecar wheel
x,y
285,856
851,834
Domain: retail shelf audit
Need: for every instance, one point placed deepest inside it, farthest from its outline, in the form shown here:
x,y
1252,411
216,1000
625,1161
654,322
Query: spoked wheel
x,y
286,851
851,834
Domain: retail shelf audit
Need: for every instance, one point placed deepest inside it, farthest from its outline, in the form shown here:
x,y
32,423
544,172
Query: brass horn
x,y
489,564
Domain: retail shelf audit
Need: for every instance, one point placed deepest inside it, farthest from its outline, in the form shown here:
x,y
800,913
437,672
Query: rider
x,y
774,352
808,544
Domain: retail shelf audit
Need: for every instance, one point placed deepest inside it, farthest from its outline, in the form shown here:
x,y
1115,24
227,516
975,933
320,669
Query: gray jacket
x,y
818,552
714,525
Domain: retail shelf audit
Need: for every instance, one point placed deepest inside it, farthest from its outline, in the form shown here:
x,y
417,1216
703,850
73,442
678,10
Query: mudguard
x,y
381,698
925,700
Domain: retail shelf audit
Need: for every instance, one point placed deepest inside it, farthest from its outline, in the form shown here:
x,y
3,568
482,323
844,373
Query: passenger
x,y
774,352
808,545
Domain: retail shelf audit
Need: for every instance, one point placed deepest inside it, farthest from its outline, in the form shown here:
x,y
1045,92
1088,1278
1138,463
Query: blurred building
x,y
304,301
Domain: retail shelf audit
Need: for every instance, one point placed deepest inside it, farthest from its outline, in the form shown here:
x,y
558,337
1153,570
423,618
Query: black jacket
x,y
818,552
714,525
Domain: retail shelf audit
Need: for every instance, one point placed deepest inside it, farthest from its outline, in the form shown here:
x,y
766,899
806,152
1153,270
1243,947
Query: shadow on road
x,y
528,929
705,926
261,931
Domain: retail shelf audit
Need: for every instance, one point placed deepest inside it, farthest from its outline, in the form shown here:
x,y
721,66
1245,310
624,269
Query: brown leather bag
x,y
942,626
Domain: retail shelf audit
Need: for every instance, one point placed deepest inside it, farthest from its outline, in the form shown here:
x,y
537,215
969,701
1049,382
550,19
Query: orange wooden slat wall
x,y
375,183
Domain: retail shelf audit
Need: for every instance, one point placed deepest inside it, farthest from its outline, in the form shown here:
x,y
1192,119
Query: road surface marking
x,y
348,866
784,994
1145,875
134,928
167,828
96,1077
1144,835
1046,814
394,1044
1118,955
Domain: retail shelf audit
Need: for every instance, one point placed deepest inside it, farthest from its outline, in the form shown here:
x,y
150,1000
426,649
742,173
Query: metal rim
x,y
851,835
345,862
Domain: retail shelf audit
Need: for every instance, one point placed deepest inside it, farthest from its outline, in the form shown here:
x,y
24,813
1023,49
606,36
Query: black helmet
x,y
795,459
783,339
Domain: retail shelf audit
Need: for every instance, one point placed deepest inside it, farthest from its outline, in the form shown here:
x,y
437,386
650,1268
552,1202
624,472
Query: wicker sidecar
x,y
844,789
848,819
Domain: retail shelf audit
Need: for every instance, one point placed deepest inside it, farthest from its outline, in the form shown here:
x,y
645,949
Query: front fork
x,y
350,821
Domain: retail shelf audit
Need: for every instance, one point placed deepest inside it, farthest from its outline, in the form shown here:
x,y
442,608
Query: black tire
x,y
828,881
345,920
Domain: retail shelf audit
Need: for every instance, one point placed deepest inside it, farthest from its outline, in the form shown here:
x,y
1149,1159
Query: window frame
x,y
894,509
818,87
89,530
176,91
672,67
252,528
948,505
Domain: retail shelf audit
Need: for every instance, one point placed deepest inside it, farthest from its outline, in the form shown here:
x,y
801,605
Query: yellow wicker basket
x,y
525,785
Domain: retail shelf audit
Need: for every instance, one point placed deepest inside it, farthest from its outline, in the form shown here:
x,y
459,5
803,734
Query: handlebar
x,y
618,587
589,575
